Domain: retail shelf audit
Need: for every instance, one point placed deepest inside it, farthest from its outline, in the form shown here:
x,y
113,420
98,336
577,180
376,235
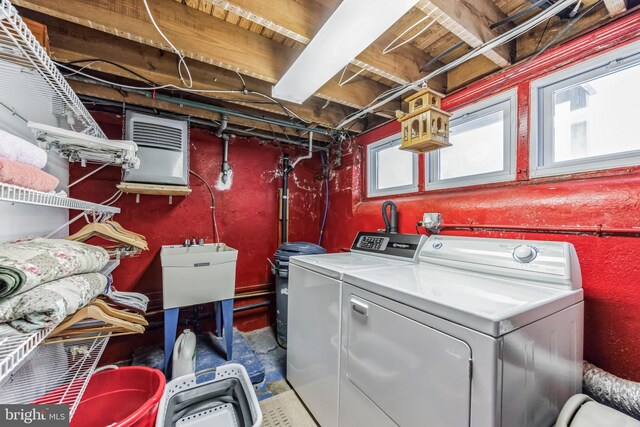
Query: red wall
x,y
611,272
247,217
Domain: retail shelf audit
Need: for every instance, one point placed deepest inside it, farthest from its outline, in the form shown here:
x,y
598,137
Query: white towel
x,y
20,150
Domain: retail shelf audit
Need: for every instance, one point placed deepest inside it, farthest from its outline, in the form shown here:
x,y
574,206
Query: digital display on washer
x,y
374,243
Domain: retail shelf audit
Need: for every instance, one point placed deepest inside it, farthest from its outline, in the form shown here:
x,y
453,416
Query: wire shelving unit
x,y
15,194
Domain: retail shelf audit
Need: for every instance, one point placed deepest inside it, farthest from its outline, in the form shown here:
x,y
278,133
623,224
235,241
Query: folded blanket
x,y
27,176
29,263
20,150
51,302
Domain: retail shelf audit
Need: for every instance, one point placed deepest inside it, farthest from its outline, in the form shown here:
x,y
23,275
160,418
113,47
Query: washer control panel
x,y
405,246
373,242
553,263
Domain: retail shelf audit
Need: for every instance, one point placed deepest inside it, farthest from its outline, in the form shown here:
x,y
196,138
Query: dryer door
x,y
409,373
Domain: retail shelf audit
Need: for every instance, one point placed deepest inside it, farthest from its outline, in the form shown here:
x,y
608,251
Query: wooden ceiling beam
x,y
199,36
72,42
300,21
470,21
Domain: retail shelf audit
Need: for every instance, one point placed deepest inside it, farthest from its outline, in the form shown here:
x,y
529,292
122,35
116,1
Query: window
x,y
391,170
586,117
483,139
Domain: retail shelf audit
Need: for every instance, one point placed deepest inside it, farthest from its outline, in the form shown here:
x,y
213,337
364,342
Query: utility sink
x,y
197,274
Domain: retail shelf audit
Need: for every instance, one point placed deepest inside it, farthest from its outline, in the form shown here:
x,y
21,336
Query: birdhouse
x,y
425,127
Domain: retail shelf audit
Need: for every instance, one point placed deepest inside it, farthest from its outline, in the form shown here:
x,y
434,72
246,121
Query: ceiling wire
x,y
181,63
433,21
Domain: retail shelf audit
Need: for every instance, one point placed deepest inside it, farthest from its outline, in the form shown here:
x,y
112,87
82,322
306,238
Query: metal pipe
x,y
284,205
598,230
485,47
223,126
208,123
226,169
308,155
208,107
252,306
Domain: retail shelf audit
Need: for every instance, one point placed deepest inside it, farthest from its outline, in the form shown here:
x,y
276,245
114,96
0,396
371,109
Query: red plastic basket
x,y
123,397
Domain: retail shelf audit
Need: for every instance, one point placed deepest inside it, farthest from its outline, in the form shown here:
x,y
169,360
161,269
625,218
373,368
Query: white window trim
x,y
372,177
510,98
541,139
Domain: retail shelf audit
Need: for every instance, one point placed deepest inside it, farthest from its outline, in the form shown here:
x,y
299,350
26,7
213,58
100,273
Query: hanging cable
x,y
216,236
325,163
420,21
181,62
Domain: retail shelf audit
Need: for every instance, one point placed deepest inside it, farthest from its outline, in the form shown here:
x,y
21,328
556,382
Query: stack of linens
x,y
42,281
21,163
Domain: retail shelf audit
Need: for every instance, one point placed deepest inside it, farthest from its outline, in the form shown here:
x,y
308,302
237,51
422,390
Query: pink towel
x,y
20,150
27,176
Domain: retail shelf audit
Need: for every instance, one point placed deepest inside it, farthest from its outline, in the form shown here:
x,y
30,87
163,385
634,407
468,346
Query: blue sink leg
x,y
227,315
170,329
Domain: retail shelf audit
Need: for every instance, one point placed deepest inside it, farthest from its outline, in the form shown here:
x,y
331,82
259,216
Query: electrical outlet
x,y
431,220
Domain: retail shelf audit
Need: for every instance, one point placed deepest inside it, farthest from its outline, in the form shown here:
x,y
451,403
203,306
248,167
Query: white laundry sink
x,y
197,274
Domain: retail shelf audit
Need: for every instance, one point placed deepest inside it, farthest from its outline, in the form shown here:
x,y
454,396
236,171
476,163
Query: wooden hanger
x,y
93,312
120,314
120,228
107,232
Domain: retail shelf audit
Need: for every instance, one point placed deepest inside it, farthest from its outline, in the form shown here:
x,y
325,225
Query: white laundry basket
x,y
228,400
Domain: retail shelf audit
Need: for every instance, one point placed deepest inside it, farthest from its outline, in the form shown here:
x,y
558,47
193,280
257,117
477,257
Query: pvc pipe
x,y
308,156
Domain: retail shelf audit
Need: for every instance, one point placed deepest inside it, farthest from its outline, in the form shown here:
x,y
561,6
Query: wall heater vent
x,y
163,149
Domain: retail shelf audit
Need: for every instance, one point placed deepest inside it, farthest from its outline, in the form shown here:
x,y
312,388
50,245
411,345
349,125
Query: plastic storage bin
x,y
281,270
228,400
123,397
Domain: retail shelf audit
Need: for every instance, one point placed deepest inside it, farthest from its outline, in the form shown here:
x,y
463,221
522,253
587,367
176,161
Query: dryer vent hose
x,y
610,390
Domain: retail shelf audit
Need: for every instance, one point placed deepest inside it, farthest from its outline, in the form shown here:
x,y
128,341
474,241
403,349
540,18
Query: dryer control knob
x,y
525,253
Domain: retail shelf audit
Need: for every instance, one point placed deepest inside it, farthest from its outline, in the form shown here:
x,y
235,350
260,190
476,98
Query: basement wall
x,y
247,217
610,266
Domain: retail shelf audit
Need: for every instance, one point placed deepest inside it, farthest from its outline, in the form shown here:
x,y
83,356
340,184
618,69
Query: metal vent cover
x,y
163,149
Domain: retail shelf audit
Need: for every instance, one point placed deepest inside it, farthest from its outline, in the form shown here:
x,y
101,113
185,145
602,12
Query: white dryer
x,y
315,290
482,333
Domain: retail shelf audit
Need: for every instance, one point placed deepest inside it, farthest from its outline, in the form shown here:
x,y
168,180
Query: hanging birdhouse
x,y
425,127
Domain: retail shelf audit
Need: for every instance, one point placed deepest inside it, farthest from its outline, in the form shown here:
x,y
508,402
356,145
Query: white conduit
x,y
308,156
610,390
491,44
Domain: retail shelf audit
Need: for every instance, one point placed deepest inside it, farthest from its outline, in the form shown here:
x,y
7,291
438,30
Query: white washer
x,y
483,332
313,335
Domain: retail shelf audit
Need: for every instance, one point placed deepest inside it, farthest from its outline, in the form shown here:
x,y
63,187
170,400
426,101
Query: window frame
x,y
508,103
541,137
372,168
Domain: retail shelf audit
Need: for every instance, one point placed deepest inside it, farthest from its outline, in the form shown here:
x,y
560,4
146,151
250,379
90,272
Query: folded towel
x,y
27,176
30,263
50,303
20,150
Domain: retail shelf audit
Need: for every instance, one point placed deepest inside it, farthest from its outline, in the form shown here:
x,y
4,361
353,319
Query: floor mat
x,y
285,410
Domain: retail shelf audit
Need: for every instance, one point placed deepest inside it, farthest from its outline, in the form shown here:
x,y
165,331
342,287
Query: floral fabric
x,y
49,303
29,263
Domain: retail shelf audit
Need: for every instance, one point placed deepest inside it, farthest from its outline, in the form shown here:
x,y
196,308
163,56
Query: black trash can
x,y
281,270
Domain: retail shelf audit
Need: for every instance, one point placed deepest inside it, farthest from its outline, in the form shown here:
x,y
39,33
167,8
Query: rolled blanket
x,y
51,302
27,176
29,263
20,150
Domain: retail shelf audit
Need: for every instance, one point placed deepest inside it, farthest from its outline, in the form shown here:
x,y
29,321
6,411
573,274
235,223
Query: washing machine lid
x,y
489,304
337,264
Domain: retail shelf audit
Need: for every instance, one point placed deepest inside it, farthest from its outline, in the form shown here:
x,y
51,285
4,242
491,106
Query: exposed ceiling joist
x,y
615,7
71,42
200,37
300,21
470,22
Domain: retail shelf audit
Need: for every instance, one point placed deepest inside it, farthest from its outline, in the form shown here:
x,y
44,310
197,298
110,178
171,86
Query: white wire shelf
x,y
20,49
15,194
111,265
15,348
56,373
